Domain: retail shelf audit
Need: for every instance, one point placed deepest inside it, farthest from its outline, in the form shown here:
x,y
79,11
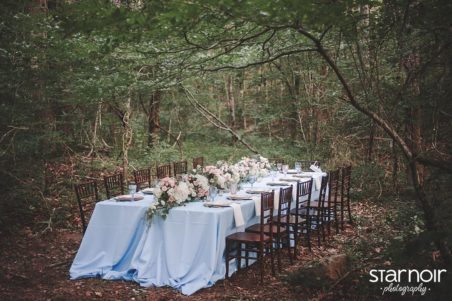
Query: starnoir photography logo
x,y
403,281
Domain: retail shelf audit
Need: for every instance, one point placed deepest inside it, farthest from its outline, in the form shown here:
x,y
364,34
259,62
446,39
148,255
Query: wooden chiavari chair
x,y
198,161
114,184
180,168
258,243
164,171
87,195
142,178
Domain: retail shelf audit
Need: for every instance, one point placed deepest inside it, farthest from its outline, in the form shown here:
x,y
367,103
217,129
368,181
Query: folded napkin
x,y
238,216
302,177
257,203
128,197
289,179
257,190
317,181
217,204
277,184
276,201
238,197
148,191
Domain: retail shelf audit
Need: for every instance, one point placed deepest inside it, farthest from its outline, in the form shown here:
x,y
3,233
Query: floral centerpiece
x,y
264,166
169,193
230,173
215,176
256,166
198,186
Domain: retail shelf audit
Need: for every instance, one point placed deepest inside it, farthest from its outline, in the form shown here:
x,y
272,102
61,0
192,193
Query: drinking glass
x,y
132,190
298,166
273,174
233,188
252,180
279,166
213,191
155,182
285,168
132,187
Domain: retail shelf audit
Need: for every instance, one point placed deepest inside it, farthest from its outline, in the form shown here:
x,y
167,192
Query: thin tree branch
x,y
216,121
228,67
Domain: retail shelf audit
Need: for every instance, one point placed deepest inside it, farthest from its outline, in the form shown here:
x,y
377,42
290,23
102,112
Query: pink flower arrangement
x,y
215,176
169,193
198,186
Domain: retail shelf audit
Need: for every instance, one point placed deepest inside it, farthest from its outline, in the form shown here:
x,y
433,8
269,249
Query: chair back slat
x,y
180,168
114,183
322,196
267,206
303,198
164,171
333,187
198,161
142,178
86,194
285,201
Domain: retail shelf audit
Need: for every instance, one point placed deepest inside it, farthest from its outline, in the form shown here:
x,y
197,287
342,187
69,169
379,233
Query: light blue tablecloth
x,y
185,251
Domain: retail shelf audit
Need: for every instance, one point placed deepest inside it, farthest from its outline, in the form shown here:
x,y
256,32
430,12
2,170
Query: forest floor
x,y
35,266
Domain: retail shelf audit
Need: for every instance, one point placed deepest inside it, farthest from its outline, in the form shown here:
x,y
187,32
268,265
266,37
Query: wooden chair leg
x,y
329,222
272,259
227,258
239,255
288,248
318,230
349,211
342,213
261,262
308,235
278,254
246,258
336,222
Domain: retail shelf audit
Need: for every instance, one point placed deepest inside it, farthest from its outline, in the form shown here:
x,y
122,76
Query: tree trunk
x,y
371,142
295,99
154,117
126,137
230,102
395,166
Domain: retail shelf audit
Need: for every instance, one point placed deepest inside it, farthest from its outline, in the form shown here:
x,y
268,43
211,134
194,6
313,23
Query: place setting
x,y
277,183
128,197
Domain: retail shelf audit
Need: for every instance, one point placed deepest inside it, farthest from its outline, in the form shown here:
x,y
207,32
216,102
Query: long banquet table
x,y
185,251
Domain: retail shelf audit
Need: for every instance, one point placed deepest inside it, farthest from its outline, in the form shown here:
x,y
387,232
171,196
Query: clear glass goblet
x,y
253,180
273,174
285,168
298,166
213,191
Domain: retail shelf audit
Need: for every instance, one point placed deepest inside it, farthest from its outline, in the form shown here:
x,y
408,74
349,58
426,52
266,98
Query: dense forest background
x,y
91,87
